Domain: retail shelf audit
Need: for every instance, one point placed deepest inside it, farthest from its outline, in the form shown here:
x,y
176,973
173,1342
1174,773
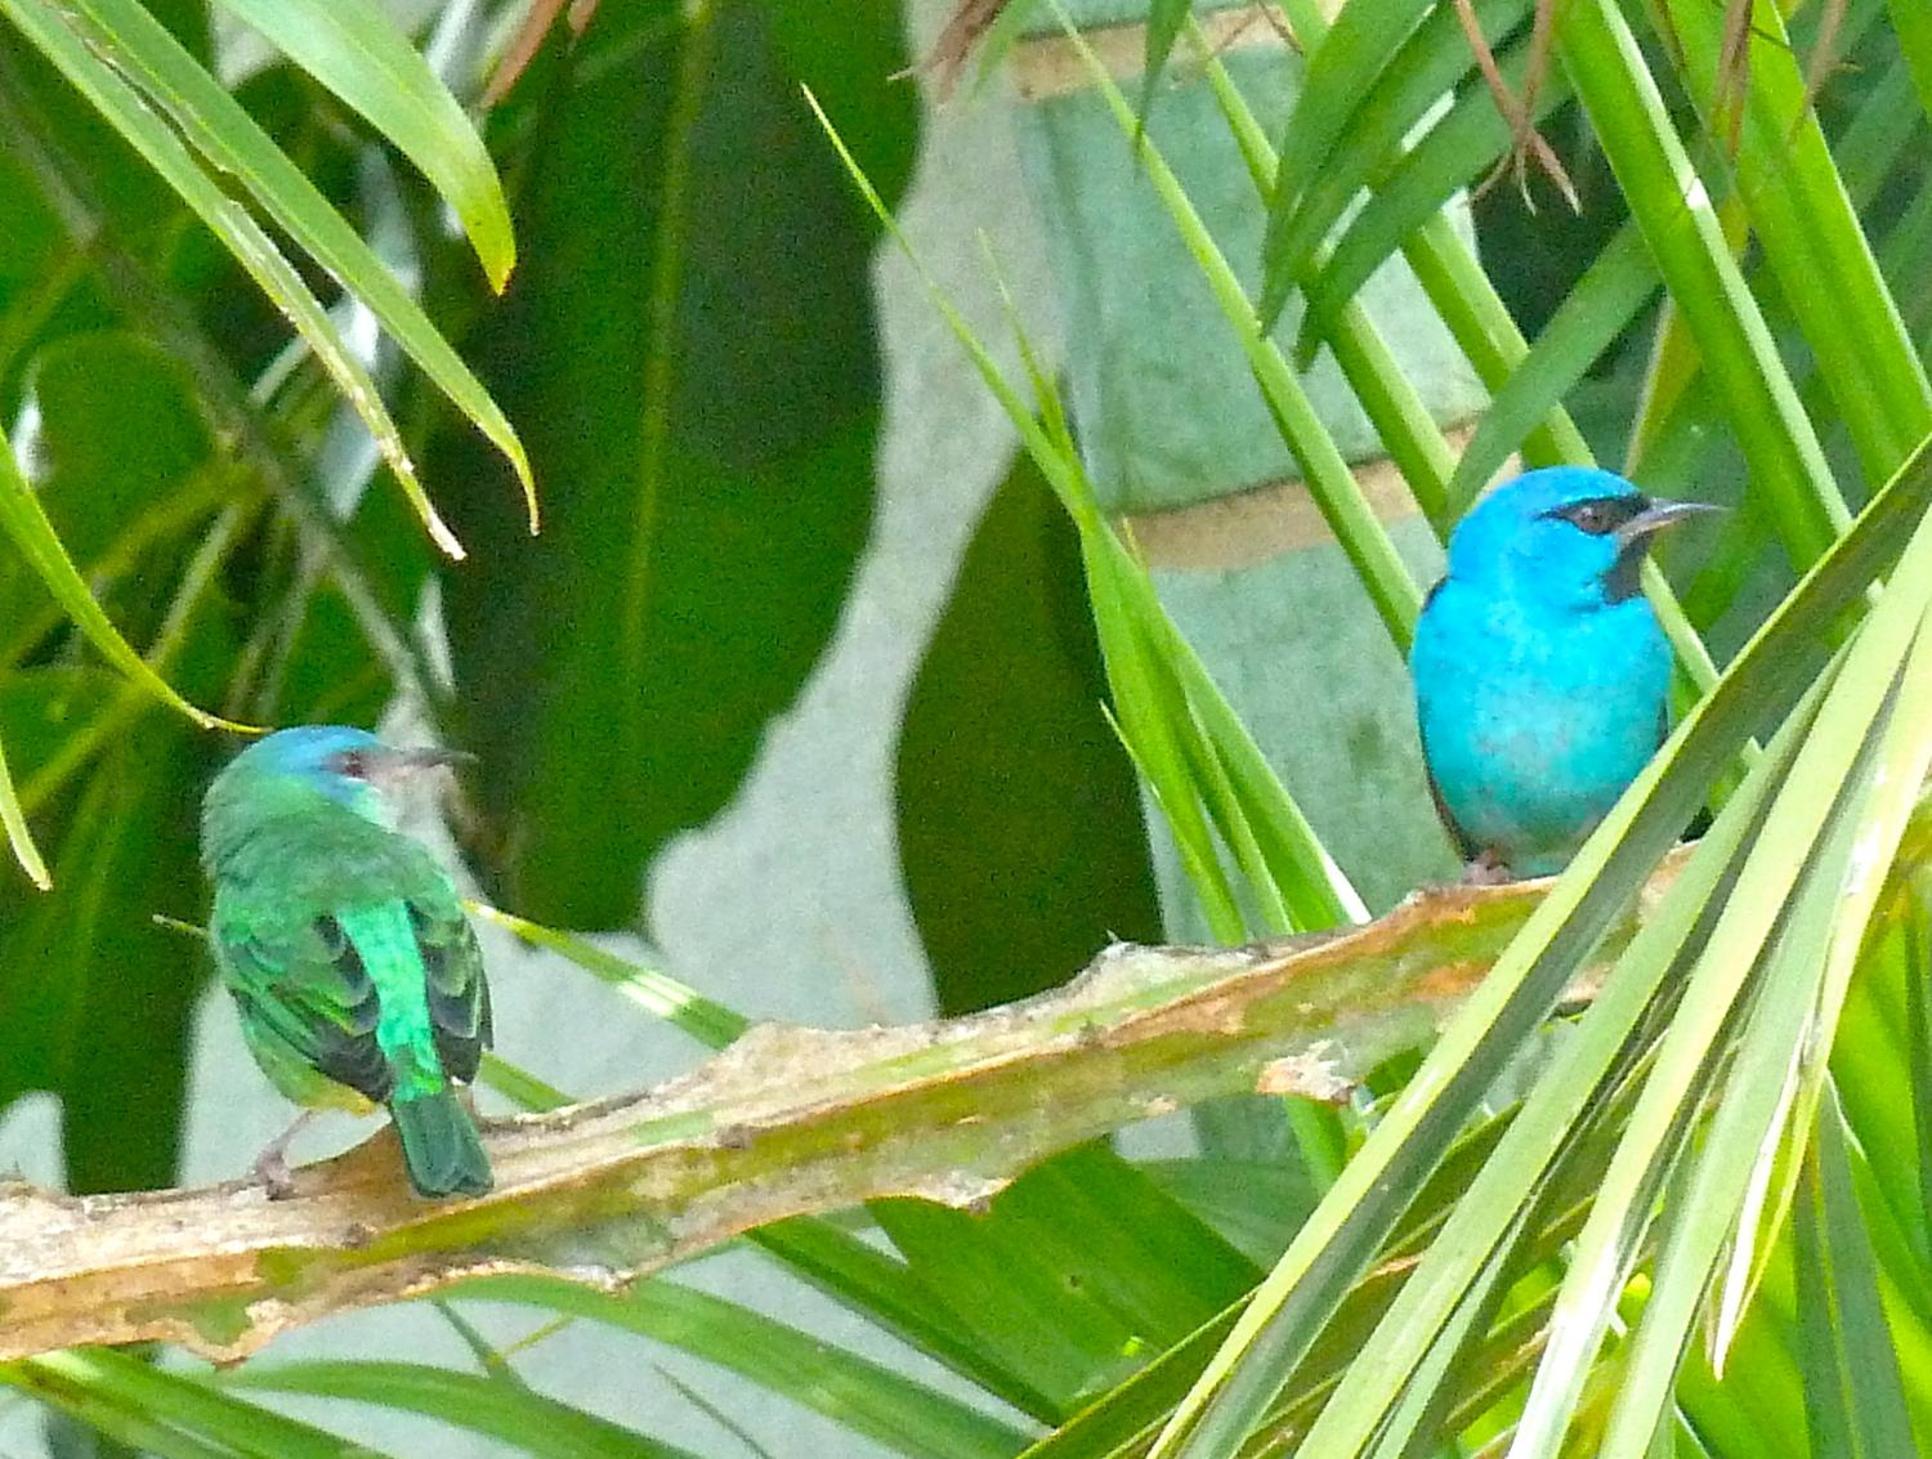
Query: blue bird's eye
x,y
349,763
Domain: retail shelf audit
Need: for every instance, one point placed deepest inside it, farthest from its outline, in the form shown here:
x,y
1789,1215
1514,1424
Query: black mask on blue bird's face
x,y
1565,539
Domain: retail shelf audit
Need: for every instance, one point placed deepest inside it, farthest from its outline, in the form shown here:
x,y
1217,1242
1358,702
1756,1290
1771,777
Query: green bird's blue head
x,y
309,769
1564,538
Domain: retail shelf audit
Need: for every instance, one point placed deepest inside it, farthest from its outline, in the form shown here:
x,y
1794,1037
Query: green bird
x,y
357,977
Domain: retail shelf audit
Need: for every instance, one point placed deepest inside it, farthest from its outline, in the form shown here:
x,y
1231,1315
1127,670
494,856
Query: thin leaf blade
x,y
354,48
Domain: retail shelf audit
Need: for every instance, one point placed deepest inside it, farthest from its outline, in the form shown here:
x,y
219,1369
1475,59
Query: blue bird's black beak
x,y
1656,517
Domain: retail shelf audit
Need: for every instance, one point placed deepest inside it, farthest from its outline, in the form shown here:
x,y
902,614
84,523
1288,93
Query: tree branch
x,y
785,1122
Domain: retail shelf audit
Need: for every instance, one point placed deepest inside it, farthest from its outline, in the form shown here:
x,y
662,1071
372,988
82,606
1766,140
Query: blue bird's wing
x,y
1467,849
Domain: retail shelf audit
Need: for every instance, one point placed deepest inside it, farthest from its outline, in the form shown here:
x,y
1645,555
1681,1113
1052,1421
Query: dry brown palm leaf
x,y
1733,75
529,39
1733,80
1518,113
947,58
1824,60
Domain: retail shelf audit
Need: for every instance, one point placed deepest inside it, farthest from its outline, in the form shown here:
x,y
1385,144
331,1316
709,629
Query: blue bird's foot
x,y
1486,870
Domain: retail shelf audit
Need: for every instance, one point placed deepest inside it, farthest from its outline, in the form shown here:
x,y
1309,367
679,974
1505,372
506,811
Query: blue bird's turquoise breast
x,y
1542,677
1532,725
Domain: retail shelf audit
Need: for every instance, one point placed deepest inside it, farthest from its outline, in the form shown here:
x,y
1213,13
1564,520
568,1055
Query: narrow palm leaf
x,y
25,521
1674,212
1803,218
354,48
1593,314
863,1395
1853,1388
508,1412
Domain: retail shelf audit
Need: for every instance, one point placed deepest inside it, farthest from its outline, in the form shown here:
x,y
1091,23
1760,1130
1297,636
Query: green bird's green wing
x,y
307,1004
435,1018
457,993
327,971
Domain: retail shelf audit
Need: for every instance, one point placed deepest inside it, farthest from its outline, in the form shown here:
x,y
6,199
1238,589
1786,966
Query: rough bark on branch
x,y
786,1122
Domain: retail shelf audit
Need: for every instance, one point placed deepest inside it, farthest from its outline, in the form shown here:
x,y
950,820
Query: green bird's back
x,y
343,942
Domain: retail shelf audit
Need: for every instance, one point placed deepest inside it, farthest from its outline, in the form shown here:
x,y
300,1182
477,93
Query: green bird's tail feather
x,y
440,1145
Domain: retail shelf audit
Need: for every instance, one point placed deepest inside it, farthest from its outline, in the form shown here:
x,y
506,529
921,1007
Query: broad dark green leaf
x,y
1020,830
690,345
24,519
99,1000
1254,1204
882,1288
117,434
39,999
35,273
134,986
118,457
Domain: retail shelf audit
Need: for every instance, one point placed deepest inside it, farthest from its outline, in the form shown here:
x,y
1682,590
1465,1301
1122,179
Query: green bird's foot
x,y
271,1166
271,1169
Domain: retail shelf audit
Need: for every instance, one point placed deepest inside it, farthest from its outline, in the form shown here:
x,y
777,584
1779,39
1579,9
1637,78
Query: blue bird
x,y
1542,677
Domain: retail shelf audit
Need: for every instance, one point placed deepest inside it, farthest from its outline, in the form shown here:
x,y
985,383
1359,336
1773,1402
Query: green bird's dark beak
x,y
1657,516
425,757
